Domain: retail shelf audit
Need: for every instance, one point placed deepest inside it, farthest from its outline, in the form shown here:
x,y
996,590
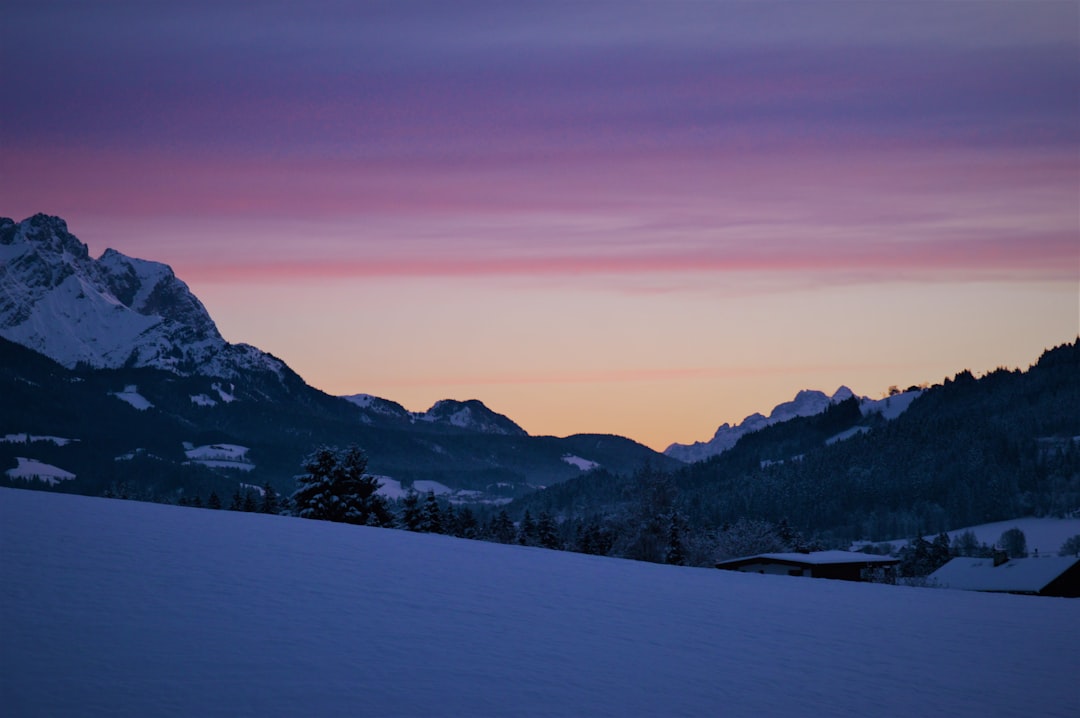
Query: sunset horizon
x,y
638,219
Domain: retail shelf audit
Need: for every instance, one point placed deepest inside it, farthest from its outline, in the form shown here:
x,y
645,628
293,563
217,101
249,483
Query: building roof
x,y
813,558
1018,575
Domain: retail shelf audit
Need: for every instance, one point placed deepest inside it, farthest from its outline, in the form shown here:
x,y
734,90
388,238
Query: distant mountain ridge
x,y
108,313
118,358
807,402
472,414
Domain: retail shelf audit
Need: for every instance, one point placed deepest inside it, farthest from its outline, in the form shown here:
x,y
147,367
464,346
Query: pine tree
x,y
411,515
214,502
676,552
335,487
270,501
250,505
547,533
431,517
502,528
450,521
527,530
467,525
237,502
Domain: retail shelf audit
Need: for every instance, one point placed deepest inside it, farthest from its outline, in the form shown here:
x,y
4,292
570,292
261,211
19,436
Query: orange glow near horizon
x,y
646,225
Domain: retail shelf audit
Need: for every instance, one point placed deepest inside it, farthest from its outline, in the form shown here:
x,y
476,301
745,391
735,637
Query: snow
x,y
128,609
423,486
225,396
202,400
390,488
1018,574
221,456
1044,535
583,464
847,434
891,406
32,469
808,402
70,309
819,558
28,438
131,395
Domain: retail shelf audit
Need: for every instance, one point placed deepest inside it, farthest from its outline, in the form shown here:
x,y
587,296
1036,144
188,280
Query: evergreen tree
x,y
467,525
335,487
450,520
592,538
527,530
270,502
502,528
411,514
250,504
547,532
676,552
431,518
197,502
214,502
237,502
940,551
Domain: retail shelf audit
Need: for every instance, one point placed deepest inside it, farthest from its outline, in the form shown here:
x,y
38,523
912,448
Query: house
x,y
1043,576
843,565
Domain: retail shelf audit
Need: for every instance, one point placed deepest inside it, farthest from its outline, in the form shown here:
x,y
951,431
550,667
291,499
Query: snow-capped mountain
x,y
115,311
807,402
471,415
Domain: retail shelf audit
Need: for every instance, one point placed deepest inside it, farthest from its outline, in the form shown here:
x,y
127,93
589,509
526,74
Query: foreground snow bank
x,y
122,608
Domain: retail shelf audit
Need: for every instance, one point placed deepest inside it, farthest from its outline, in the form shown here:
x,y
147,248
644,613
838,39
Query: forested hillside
x,y
968,451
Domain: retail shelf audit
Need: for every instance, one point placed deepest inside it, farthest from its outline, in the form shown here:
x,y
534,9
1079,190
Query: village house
x,y
842,565
1042,576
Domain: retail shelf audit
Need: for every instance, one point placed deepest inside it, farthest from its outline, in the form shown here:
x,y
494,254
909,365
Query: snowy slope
x,y
110,312
128,609
34,470
808,402
1045,535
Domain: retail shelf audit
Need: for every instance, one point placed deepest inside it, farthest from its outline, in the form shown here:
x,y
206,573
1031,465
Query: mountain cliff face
x,y
107,313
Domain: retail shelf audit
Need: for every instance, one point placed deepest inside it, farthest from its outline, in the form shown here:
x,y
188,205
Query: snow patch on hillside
x,y
1043,534
438,489
131,395
225,396
583,464
30,438
129,609
891,406
202,400
34,470
220,456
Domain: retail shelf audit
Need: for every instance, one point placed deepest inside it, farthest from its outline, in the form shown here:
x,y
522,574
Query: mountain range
x,y
808,402
117,357
115,380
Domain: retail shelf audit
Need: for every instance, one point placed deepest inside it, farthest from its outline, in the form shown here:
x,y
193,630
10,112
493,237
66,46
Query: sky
x,y
638,218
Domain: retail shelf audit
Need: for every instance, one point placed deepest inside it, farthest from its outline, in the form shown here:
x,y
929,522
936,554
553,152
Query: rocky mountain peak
x,y
111,312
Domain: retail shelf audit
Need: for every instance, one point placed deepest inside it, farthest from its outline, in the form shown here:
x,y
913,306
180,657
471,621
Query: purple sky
x,y
641,165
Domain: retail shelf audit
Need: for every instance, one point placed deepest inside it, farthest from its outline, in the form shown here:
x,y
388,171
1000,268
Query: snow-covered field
x,y
222,456
34,470
119,608
131,395
1043,534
